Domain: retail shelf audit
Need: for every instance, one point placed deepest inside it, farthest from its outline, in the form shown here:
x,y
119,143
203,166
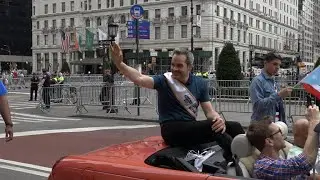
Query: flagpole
x,y
137,60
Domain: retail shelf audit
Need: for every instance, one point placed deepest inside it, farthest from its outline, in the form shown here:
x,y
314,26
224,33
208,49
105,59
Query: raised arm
x,y
131,73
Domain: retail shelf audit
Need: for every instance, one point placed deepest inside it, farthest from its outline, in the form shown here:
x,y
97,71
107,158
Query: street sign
x,y
136,11
143,29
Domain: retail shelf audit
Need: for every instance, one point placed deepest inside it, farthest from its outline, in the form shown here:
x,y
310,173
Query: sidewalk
x,y
146,114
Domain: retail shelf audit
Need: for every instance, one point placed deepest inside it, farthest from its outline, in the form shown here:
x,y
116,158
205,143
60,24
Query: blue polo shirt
x,y
169,107
3,89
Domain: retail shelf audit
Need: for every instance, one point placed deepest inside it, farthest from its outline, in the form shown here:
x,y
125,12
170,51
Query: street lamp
x,y
191,19
104,52
251,49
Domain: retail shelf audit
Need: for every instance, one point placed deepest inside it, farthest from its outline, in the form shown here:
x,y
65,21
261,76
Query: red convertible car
x,y
149,159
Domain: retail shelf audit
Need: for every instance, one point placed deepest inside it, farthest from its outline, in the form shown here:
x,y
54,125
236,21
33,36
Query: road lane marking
x,y
28,171
26,165
25,168
74,130
22,93
44,117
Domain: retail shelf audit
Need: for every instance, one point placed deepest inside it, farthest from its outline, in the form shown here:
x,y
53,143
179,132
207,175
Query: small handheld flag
x,y
311,83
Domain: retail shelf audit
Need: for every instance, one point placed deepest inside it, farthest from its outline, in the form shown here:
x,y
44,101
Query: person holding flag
x,y
265,92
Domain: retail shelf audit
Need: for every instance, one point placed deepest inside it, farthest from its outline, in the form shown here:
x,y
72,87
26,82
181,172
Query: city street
x,y
40,140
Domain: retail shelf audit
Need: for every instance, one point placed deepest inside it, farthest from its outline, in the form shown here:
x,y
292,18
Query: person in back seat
x,y
267,138
300,133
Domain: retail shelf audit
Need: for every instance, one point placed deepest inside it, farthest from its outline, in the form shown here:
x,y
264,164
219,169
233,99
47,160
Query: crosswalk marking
x,y
23,105
30,118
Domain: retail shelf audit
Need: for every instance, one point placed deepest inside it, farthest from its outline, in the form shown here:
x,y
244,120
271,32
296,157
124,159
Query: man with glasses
x,y
267,137
265,93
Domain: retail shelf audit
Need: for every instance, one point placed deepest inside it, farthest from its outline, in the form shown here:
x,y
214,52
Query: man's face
x,y
179,67
273,66
276,139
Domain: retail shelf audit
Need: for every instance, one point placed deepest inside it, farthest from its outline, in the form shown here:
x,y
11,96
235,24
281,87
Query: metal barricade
x,y
114,98
57,95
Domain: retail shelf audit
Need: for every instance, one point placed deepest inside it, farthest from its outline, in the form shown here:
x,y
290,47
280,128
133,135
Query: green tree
x,y
229,67
65,68
317,63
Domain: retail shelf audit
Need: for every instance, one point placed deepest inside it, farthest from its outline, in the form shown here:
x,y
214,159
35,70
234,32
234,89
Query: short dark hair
x,y
272,56
259,131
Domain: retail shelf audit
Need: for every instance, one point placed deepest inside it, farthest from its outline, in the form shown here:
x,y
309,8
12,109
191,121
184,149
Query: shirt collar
x,y
190,79
266,75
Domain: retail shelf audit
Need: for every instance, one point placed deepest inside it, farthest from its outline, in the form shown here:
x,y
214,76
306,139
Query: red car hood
x,y
135,152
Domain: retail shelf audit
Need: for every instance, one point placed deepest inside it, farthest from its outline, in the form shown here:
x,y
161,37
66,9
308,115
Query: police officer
x,y
34,87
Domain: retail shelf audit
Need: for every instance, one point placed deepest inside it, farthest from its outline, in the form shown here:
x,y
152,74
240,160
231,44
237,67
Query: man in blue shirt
x,y
179,95
265,93
5,112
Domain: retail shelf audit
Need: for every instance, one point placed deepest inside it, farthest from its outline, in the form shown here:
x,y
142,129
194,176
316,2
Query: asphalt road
x,y
41,139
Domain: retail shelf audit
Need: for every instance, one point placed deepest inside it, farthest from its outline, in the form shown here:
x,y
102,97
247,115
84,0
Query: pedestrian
x,y
265,93
46,82
34,87
5,113
179,95
107,92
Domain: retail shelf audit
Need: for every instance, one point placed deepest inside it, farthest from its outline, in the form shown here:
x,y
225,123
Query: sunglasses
x,y
279,131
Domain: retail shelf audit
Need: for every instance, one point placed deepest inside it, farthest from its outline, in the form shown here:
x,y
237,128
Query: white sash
x,y
183,95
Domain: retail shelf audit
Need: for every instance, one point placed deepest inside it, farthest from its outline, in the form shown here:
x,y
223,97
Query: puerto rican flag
x,y
311,83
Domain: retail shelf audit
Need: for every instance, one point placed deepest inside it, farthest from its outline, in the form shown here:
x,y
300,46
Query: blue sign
x,y
143,29
136,11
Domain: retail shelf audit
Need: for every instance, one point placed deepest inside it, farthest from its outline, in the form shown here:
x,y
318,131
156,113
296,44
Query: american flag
x,y
65,42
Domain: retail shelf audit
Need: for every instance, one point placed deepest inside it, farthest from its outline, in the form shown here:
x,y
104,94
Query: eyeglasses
x,y
279,131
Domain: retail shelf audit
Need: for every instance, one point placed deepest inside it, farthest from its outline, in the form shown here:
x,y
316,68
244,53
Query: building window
x,y
170,32
54,8
218,11
146,14
45,39
184,31
225,12
54,23
121,2
131,2
171,12
198,9
250,38
145,0
239,35
38,40
71,5
63,7
72,22
231,33
257,40
258,24
123,19
46,9
87,22
108,3
38,25
99,4
244,36
198,32
264,41
123,34
157,13
46,24
217,30
89,5
63,23
34,10
224,32
112,3
54,40
184,10
98,21
157,33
